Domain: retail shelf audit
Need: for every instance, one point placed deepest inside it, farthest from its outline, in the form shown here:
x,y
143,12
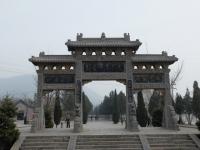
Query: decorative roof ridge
x,y
103,37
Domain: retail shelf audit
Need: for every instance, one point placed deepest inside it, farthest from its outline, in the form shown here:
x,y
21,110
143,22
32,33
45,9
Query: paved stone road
x,y
103,127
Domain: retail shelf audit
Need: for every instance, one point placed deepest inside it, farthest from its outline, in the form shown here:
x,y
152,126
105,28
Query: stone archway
x,y
104,59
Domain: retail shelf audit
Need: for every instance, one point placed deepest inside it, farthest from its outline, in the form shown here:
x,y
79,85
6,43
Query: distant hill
x,y
25,85
18,86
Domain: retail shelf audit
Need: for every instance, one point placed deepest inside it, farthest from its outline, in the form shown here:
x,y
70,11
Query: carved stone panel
x,y
78,91
148,78
77,110
131,106
104,66
59,78
130,96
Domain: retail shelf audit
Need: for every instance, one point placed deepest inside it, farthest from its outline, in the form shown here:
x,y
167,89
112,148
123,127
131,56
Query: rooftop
x,y
103,41
148,58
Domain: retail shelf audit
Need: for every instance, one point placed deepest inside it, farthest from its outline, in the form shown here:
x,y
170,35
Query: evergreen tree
x,y
85,113
179,107
157,118
87,107
106,106
68,101
122,103
196,100
156,102
48,118
8,107
8,132
141,111
57,110
188,106
115,114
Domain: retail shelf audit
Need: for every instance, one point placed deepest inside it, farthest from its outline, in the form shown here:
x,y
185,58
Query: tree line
x,y
114,104
64,103
188,105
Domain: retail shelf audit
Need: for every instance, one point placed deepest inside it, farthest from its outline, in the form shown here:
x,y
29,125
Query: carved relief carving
x,y
131,109
148,78
77,110
131,106
58,78
130,96
104,66
78,91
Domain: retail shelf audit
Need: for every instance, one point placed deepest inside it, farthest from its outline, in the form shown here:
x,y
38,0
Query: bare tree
x,y
175,78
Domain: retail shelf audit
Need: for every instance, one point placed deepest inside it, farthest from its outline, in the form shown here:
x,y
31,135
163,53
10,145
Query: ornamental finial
x,y
103,35
127,36
79,36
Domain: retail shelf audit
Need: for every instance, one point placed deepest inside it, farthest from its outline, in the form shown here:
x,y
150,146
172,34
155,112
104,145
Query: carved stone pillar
x,y
78,98
131,121
38,122
132,124
169,115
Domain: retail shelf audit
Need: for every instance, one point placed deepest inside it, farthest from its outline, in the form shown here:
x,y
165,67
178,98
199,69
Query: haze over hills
x,y
25,86
18,86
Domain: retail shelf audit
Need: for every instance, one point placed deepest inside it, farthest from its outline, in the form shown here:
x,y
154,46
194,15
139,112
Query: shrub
x,y
157,118
198,124
141,112
8,132
48,118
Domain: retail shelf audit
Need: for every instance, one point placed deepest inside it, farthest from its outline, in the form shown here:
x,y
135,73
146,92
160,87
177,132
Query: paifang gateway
x,y
104,59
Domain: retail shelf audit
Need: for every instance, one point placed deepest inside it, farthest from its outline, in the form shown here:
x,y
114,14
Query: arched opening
x,y
54,67
109,105
113,53
84,53
123,53
93,53
103,53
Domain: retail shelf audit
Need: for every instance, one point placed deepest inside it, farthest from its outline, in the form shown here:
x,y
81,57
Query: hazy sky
x,y
30,26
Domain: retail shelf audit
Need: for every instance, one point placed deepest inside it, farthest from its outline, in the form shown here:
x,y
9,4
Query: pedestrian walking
x,y
67,121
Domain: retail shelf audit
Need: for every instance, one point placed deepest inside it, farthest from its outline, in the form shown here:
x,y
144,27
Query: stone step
x,y
107,136
174,148
172,139
172,145
112,149
108,142
171,142
44,140
174,142
42,149
38,147
45,143
167,135
109,146
47,136
162,137
91,136
121,138
107,139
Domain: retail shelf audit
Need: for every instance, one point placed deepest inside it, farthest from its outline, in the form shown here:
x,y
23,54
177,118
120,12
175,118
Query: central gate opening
x,y
109,105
